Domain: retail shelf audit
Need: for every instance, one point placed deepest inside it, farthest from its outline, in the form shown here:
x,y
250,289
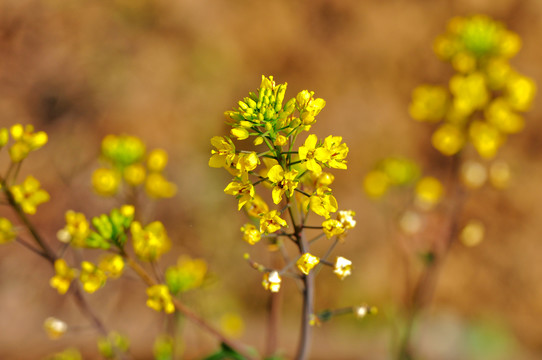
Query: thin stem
x,y
425,286
31,248
308,291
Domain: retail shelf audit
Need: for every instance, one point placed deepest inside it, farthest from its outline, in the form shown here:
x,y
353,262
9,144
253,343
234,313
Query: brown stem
x,y
425,286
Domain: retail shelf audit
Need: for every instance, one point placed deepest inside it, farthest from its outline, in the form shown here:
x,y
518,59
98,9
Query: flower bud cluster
x,y
483,102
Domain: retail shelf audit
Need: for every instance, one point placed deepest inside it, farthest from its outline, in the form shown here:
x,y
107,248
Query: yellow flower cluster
x,y
63,277
25,141
29,195
483,102
91,276
150,242
159,299
128,161
76,231
296,177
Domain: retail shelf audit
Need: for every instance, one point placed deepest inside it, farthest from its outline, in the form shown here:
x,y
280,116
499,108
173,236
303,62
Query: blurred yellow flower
x,y
92,277
150,242
7,232
105,181
429,192
63,276
271,281
342,267
54,328
157,160
29,195
332,227
251,234
111,265
159,299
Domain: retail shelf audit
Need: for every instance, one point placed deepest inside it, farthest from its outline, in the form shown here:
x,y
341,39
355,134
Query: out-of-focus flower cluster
x,y
128,164
484,100
297,176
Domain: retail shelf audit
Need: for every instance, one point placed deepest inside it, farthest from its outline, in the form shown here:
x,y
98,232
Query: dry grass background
x,y
167,70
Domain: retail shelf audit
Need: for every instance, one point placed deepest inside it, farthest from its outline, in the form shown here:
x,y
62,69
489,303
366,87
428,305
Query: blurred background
x,y
166,71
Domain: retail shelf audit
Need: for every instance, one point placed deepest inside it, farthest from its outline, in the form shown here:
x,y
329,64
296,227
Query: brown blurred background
x,y
166,71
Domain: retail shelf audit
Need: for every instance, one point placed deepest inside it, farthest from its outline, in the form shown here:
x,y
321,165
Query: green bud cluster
x,y
110,229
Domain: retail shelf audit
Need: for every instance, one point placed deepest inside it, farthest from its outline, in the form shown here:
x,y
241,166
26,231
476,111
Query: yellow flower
x,y
246,162
232,324
77,229
485,138
332,227
134,174
151,241
240,133
322,202
271,281
473,174
346,217
186,275
54,328
25,141
105,182
520,92
112,265
280,140
499,114
271,222
429,103
157,186
29,195
429,191
473,233
159,299
63,276
283,182
157,160
470,92
251,234
376,183
337,152
256,206
306,262
313,154
7,232
243,191
91,277
448,139
343,267
225,153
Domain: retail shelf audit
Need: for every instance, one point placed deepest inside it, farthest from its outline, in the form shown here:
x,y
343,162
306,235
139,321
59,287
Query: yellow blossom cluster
x,y
297,177
91,276
29,194
484,100
25,140
128,162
